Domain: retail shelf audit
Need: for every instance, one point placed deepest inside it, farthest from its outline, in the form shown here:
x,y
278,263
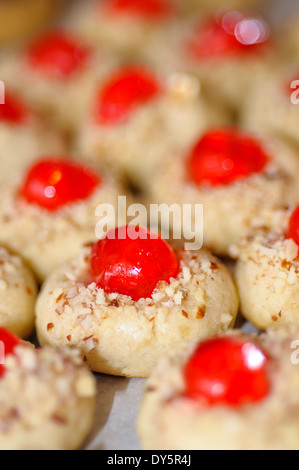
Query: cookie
x,y
48,214
139,117
238,177
23,137
47,397
129,28
18,294
227,51
125,302
57,73
276,90
232,392
267,273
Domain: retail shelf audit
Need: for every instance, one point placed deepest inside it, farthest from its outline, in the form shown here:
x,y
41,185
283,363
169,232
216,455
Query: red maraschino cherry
x,y
14,110
57,54
54,182
293,228
131,261
8,343
230,34
128,89
227,371
224,156
145,9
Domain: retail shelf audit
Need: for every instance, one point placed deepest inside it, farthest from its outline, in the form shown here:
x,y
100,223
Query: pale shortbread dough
x,y
267,275
22,144
18,292
47,400
170,421
65,101
47,239
163,127
147,37
121,337
225,78
110,31
272,105
230,212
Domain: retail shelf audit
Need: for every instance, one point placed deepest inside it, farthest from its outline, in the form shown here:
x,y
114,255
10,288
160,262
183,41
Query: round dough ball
x,y
169,420
46,239
226,67
127,34
164,125
63,100
267,276
230,211
123,337
21,143
18,290
47,400
277,91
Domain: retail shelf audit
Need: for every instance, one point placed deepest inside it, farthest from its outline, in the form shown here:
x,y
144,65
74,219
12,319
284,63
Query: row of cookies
x,y
124,319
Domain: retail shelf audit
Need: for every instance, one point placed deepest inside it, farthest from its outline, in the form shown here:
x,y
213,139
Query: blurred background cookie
x,y
140,116
57,72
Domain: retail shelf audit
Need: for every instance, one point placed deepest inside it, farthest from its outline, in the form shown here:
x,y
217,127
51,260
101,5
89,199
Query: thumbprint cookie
x,y
267,273
23,136
238,177
139,116
230,392
130,297
56,72
49,212
47,397
18,289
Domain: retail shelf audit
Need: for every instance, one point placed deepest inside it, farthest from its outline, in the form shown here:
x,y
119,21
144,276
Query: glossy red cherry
x,y
127,90
230,34
224,156
227,371
8,343
131,261
14,110
53,183
145,9
293,228
57,54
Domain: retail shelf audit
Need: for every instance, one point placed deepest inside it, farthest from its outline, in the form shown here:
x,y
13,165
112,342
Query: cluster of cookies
x,y
166,102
